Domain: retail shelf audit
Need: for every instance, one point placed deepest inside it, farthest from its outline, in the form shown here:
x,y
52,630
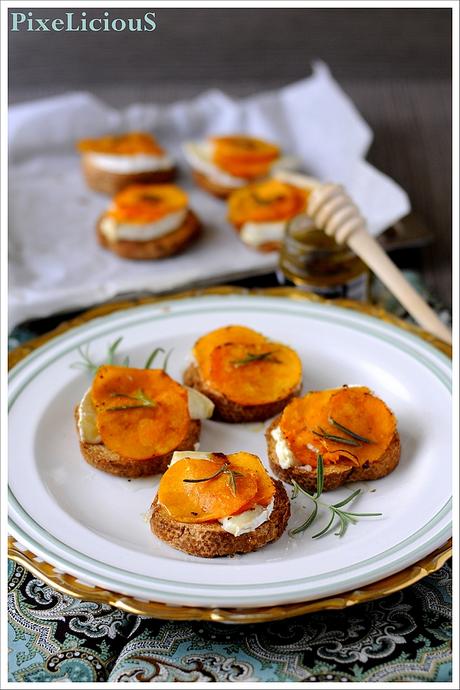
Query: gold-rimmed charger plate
x,y
74,587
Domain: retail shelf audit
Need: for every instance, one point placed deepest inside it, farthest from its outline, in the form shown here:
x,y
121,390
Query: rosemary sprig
x,y
349,432
112,350
322,433
151,358
253,357
138,396
232,476
88,364
338,517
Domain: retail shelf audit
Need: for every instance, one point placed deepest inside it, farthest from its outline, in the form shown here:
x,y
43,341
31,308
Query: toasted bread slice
x,y
209,540
158,248
335,474
99,456
218,190
110,183
229,411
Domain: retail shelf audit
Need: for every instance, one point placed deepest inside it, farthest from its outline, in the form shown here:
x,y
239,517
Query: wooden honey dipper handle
x,y
334,212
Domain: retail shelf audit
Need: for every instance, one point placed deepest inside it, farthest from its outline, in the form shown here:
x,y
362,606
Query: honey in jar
x,y
313,261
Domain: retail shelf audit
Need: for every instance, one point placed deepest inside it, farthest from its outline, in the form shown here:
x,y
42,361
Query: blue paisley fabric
x,y
53,637
403,637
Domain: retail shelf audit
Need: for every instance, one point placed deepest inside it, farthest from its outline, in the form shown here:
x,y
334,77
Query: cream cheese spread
x,y
142,232
284,454
133,163
248,521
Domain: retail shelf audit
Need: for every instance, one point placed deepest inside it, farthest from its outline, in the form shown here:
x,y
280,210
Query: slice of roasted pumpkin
x,y
142,203
227,334
244,156
254,373
197,490
347,424
141,413
265,202
128,144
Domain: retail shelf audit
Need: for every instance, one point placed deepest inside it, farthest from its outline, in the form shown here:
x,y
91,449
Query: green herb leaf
x,y
138,396
251,357
326,529
305,525
337,439
112,350
348,499
89,365
351,433
319,475
232,476
152,356
166,359
344,518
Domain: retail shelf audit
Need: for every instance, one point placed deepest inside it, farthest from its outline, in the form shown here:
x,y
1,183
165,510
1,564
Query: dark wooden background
x,y
394,63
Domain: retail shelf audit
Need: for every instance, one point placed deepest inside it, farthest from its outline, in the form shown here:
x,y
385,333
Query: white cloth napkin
x,y
55,262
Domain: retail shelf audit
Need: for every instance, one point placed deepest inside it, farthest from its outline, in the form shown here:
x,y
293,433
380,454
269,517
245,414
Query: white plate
x,y
91,524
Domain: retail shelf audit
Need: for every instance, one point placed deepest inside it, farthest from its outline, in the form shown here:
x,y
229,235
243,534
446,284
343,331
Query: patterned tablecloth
x,y
403,637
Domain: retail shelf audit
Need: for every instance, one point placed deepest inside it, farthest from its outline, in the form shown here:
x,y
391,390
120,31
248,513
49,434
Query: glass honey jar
x,y
314,262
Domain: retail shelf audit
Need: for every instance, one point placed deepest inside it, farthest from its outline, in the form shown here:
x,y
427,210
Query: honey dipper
x,y
333,211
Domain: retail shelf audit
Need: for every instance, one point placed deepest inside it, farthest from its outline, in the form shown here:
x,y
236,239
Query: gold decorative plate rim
x,y
70,585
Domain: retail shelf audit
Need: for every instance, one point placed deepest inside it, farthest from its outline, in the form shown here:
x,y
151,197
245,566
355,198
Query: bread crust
x,y
111,183
209,540
158,248
337,474
100,457
228,411
218,190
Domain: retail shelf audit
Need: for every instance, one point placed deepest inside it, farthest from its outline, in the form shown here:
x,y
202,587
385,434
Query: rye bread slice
x,y
99,456
158,248
209,540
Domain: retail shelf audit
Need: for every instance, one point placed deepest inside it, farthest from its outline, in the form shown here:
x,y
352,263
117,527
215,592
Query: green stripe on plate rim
x,y
429,546
303,580
352,321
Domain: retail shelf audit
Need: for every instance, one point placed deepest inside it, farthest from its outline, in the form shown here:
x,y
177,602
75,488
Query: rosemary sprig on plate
x,y
253,357
88,364
151,358
232,476
138,396
338,517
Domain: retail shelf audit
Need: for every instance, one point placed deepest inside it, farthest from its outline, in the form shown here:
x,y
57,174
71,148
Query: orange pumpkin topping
x,y
309,422
130,144
190,493
244,156
141,413
266,201
228,334
247,367
254,373
147,203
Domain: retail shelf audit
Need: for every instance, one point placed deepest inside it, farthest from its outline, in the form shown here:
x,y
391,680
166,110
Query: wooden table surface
x,y
394,63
